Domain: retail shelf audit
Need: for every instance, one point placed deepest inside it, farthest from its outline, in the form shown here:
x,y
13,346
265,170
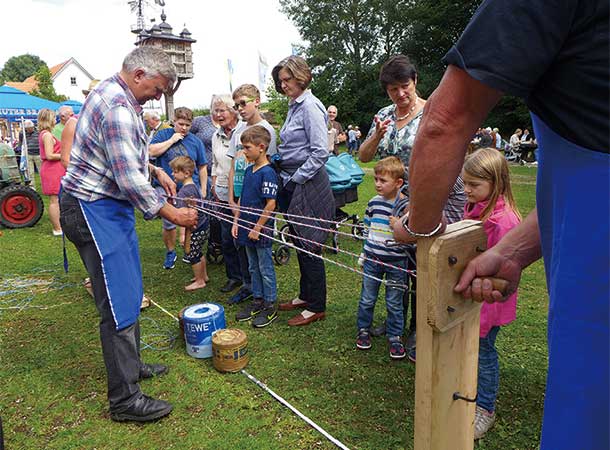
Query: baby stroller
x,y
345,177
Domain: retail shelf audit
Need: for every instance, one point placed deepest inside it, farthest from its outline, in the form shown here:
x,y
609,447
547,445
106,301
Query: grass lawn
x,y
53,382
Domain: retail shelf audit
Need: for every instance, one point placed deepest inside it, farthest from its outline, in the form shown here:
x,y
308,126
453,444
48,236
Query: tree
x,y
18,68
45,87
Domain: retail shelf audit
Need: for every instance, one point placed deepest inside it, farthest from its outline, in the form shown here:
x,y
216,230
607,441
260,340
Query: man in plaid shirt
x,y
107,177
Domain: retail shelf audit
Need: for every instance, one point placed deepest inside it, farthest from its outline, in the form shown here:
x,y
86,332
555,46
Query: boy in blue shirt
x,y
183,168
253,229
380,213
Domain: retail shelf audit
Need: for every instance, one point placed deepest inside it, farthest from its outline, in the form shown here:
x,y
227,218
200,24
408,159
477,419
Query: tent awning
x,y
15,104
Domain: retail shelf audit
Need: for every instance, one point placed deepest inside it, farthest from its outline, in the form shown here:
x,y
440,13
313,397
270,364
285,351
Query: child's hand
x,y
234,230
254,235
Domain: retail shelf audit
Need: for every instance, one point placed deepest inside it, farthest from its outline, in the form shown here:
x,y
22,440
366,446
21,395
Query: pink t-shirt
x,y
501,221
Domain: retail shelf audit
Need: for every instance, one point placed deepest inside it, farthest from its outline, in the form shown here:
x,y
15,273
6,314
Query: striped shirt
x,y
377,218
109,158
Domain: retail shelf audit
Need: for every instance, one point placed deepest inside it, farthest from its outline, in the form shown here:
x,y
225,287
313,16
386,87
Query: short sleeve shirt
x,y
552,53
191,191
258,187
190,146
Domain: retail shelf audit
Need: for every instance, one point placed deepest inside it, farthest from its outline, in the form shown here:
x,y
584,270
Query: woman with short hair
x,y
305,188
51,169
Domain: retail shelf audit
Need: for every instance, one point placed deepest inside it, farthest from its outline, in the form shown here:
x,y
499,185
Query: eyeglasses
x,y
242,103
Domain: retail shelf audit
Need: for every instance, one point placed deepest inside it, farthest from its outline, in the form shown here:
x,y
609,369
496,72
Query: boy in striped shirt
x,y
380,247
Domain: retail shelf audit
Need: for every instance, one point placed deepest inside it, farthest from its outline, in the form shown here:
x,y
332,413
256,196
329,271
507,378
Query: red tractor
x,y
20,205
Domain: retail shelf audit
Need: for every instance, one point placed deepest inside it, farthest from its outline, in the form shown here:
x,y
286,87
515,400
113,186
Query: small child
x,y
182,172
390,201
490,200
252,229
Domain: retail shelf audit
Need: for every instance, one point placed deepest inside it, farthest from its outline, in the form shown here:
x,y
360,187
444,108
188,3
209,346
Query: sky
x,y
98,35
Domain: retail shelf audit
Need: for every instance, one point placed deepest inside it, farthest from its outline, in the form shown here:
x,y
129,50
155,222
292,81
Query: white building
x,y
69,79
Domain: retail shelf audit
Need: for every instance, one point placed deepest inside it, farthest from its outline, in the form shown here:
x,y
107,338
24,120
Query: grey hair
x,y
153,61
65,108
152,115
226,99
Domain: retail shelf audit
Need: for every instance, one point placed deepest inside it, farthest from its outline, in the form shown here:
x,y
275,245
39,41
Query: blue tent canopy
x,y
15,104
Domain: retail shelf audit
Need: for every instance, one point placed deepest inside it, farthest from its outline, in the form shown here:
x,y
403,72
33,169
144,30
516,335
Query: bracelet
x,y
405,225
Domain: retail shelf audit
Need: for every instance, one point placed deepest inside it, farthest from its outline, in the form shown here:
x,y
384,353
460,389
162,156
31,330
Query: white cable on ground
x,y
294,410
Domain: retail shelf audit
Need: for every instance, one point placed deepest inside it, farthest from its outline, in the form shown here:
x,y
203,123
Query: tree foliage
x,y
348,41
45,87
18,68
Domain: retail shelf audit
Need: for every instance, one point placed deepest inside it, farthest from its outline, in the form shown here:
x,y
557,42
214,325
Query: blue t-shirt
x,y
258,187
192,191
190,146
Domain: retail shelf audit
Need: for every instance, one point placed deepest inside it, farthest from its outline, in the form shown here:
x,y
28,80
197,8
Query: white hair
x,y
225,99
152,115
153,61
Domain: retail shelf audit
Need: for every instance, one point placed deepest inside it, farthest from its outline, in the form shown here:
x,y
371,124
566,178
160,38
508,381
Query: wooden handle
x,y
187,241
499,285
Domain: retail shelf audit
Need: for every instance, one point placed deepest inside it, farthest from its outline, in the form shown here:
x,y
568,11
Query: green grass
x,y
53,393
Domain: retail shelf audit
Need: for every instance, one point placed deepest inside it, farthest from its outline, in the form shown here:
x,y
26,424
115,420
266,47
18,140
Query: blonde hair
x,y
182,164
297,68
490,165
391,166
183,113
247,90
46,119
256,135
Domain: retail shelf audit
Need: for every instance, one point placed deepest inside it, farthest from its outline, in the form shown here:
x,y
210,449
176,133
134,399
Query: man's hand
x,y
166,182
185,217
491,263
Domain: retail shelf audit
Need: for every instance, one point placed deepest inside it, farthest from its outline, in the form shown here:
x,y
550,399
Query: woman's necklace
x,y
398,119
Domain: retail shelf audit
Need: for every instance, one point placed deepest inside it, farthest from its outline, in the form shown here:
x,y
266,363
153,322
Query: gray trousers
x,y
120,348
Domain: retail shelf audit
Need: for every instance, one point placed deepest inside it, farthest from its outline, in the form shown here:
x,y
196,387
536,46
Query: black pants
x,y
120,348
312,285
410,294
229,251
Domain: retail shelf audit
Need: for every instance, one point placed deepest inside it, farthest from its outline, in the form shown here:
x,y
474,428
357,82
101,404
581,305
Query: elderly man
x,y
108,177
154,124
565,78
64,112
31,141
336,126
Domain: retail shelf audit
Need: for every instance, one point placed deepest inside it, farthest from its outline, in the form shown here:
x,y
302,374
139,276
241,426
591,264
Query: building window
x,y
73,81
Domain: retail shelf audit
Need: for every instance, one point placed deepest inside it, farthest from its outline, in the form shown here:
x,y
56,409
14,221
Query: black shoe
x,y
152,370
230,285
144,409
250,310
411,339
378,330
241,296
265,316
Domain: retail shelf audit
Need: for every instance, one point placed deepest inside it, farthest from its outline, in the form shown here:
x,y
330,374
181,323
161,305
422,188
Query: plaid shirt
x,y
110,152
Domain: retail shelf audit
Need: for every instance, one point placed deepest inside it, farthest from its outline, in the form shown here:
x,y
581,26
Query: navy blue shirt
x,y
190,146
258,187
192,191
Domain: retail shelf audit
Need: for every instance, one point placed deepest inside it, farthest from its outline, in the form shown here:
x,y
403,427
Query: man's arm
x,y
451,116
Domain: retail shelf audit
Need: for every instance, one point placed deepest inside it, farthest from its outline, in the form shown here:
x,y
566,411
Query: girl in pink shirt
x,y
490,200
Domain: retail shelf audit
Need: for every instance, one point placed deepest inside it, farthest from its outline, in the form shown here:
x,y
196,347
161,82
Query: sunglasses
x,y
242,103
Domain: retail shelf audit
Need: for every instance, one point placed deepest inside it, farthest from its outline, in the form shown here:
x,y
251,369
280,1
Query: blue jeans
x,y
262,272
489,371
393,296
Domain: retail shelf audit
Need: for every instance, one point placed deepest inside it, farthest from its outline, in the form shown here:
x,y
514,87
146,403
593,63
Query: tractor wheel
x,y
20,207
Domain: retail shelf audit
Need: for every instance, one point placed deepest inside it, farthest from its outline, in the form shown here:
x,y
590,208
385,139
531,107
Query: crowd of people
x,y
229,164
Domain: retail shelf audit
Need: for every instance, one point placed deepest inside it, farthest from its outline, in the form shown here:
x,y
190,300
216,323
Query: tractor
x,y
20,205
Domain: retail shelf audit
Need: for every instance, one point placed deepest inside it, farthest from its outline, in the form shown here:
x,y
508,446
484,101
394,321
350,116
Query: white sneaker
x,y
483,421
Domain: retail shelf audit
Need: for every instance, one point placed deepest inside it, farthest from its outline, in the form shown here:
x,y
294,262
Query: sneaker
x,y
397,349
483,421
411,354
170,260
363,342
265,316
250,310
242,295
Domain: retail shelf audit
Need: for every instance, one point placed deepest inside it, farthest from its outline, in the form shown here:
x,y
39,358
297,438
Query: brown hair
x,y
397,69
182,164
392,166
256,135
46,119
490,165
247,90
183,113
298,69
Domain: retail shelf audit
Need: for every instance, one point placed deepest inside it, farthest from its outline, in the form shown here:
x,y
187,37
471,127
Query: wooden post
x,y
447,340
